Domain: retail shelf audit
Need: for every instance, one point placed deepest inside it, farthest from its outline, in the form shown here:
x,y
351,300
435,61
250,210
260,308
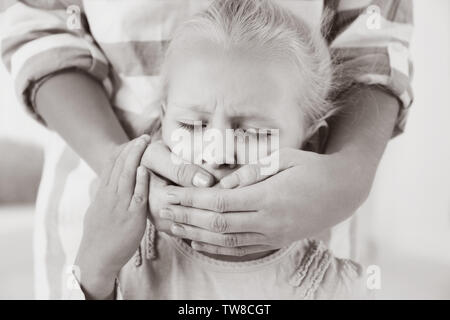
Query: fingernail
x,y
177,229
172,198
165,213
229,182
201,180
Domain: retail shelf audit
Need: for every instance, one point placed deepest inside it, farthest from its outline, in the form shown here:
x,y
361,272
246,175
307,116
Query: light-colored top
x,y
123,49
303,270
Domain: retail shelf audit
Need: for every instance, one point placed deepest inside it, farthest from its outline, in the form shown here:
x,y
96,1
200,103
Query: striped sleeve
x,y
369,40
38,40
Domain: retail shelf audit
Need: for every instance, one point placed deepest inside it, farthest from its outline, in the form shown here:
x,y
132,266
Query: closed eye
x,y
190,126
259,132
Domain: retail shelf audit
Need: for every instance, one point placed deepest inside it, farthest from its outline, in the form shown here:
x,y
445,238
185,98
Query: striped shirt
x,y
122,43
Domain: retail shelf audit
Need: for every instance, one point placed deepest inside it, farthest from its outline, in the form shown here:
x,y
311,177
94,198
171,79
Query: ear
x,y
316,137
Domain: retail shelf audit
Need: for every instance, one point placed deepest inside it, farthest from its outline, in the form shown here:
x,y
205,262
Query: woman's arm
x,y
76,106
41,52
359,134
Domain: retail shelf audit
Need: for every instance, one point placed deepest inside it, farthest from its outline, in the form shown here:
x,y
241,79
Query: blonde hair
x,y
237,24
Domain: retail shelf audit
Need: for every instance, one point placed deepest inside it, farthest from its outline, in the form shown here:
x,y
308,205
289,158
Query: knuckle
x,y
188,198
219,224
219,251
241,251
139,199
255,172
219,203
170,189
244,175
213,249
240,176
182,217
216,250
248,174
231,241
252,173
198,235
182,173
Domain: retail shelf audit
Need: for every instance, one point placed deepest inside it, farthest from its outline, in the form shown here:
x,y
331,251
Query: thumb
x,y
160,160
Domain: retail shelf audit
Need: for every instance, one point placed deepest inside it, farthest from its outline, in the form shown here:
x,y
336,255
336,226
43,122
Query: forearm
x,y
77,108
359,135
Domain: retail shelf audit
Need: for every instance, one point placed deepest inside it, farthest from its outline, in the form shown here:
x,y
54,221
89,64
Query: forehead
x,y
245,82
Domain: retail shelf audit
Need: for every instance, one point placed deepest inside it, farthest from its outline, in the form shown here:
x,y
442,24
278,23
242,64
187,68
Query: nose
x,y
218,143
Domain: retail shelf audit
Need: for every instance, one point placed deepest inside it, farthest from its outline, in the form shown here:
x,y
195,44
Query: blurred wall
x,y
411,195
21,148
407,215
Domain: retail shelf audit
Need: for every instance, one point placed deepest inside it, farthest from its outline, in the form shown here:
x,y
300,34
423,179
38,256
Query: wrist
x,y
96,280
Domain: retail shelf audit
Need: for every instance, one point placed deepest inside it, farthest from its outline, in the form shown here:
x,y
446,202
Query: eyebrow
x,y
260,122
194,107
243,116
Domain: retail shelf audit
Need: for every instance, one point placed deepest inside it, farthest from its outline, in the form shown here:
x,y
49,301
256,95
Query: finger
x,y
140,196
156,198
159,159
238,251
212,221
127,178
156,193
229,240
157,181
252,173
218,200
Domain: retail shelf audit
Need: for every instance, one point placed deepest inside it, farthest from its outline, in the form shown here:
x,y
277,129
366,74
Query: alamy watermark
x,y
373,281
374,18
73,21
229,146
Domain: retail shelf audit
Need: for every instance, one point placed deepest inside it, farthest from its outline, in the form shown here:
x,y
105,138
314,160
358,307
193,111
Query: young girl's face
x,y
238,90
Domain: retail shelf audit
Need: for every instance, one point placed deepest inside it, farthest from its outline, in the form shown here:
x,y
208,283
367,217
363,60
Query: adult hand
x,y
161,160
168,169
291,205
